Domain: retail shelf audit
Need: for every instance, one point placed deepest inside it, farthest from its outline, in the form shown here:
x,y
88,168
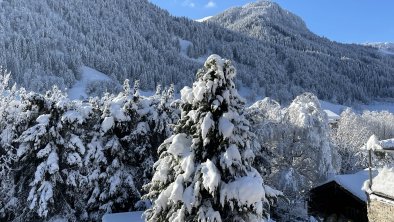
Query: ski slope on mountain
x,y
88,75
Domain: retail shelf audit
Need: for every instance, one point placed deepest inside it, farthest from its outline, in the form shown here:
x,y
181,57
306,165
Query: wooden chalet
x,y
340,199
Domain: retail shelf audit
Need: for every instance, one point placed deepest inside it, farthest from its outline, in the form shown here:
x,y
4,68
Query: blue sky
x,y
349,21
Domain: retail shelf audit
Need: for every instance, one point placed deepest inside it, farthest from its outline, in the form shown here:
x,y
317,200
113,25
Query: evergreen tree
x,y
205,171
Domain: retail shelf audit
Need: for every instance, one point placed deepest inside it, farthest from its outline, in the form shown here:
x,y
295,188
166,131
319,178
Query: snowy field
x,y
88,75
124,217
184,45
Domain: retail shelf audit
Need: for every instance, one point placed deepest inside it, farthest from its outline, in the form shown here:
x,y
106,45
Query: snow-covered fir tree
x,y
38,151
205,171
78,159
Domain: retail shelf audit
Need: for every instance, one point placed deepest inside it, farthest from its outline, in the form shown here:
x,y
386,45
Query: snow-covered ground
x,y
124,217
204,19
373,106
88,75
335,108
78,90
185,44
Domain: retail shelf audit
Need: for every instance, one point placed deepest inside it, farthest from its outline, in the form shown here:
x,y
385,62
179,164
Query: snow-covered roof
x,y
353,182
332,117
387,144
383,183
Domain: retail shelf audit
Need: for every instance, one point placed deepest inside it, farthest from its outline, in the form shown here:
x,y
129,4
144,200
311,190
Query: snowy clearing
x,y
185,44
373,106
203,19
88,75
124,217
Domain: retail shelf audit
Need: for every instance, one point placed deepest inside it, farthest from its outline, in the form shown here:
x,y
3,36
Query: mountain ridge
x,y
135,39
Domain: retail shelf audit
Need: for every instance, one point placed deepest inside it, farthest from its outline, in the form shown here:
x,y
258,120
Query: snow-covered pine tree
x,y
38,152
205,171
160,113
111,168
78,122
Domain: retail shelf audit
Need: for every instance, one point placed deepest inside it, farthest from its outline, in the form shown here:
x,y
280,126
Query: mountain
x,y
308,56
262,20
46,42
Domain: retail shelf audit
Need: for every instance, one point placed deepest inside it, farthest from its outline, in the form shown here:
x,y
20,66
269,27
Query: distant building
x,y
333,118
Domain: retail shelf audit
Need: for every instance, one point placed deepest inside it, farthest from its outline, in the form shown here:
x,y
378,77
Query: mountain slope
x,y
384,47
311,61
46,42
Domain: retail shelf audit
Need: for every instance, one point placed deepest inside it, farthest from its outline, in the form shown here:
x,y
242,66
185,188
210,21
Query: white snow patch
x,y
246,190
231,156
383,183
184,45
210,176
225,127
373,143
124,217
250,96
88,74
177,189
204,19
180,145
188,166
376,106
43,119
72,116
188,198
334,108
206,125
187,94
107,124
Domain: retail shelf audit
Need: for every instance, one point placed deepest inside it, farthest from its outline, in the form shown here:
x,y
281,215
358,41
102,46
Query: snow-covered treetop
x,y
373,143
214,84
205,169
305,111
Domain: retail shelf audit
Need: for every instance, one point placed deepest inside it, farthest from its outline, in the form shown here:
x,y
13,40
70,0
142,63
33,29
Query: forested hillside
x,y
46,42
